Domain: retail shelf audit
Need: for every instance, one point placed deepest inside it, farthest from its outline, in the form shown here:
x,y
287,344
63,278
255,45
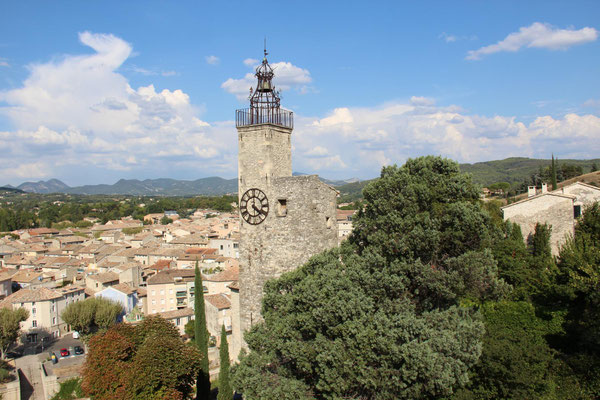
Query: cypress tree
x,y
225,391
554,185
201,337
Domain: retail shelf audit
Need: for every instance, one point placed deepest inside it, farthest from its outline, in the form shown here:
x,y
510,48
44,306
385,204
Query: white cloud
x,y
367,138
537,35
421,101
446,37
251,62
212,60
287,76
79,113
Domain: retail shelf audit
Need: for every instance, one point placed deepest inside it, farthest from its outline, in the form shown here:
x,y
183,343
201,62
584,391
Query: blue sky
x,y
91,92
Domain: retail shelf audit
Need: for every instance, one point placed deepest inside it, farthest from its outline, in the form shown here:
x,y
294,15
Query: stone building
x,y
285,219
559,208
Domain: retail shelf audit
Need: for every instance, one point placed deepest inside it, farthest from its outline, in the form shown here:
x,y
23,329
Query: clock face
x,y
254,206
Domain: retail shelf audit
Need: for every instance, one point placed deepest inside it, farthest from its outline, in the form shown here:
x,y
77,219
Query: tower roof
x,y
265,104
265,95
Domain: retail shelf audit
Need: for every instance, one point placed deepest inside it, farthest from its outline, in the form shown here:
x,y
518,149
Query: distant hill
x,y
162,187
515,169
50,186
330,182
212,186
9,189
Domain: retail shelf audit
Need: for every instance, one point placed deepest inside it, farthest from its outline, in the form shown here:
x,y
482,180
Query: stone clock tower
x,y
284,219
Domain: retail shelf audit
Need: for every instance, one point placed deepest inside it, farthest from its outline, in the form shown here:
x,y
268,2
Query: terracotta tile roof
x,y
104,277
234,285
200,250
229,274
124,288
168,276
220,301
161,264
42,231
184,312
28,295
26,276
6,275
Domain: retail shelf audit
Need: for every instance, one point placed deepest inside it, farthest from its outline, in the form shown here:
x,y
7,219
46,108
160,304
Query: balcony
x,y
259,116
181,293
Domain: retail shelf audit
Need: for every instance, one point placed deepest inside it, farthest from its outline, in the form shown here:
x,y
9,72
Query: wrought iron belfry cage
x,y
264,102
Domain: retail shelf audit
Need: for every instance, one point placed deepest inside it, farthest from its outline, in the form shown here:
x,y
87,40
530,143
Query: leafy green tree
x,y
140,362
201,338
10,327
516,362
165,220
387,315
190,330
225,391
594,167
91,315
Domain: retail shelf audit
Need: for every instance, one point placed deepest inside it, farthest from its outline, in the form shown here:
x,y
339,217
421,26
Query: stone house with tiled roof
x,y
219,282
45,307
97,282
169,290
559,208
218,313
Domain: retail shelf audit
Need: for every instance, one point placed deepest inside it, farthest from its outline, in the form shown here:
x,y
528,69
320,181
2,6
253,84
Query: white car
x,y
75,335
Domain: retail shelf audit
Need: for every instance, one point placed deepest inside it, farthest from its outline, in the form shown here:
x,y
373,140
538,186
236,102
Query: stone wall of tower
x,y
264,153
301,223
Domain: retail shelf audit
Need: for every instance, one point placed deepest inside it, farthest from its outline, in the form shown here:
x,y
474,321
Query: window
x,y
162,291
221,247
281,207
52,308
177,322
153,292
34,324
328,222
162,301
153,302
576,211
53,320
33,312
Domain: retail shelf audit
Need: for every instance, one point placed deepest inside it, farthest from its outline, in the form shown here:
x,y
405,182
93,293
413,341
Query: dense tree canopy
x,y
92,314
387,315
10,327
148,361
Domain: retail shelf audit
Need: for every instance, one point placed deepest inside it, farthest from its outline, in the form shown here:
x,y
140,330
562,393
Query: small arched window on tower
x,y
281,207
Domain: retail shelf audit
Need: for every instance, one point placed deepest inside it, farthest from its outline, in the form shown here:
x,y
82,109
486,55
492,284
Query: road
x,y
30,376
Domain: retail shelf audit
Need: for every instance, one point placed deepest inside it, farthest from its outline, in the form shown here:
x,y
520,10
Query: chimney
x,y
544,188
531,191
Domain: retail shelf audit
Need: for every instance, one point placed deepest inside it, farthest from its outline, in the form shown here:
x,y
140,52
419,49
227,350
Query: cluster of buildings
x,y
149,272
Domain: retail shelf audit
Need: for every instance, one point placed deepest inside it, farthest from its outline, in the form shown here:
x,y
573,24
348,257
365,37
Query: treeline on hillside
x,y
31,211
433,296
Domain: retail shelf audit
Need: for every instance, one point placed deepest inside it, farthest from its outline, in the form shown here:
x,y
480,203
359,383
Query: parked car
x,y
64,352
14,354
75,335
78,350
